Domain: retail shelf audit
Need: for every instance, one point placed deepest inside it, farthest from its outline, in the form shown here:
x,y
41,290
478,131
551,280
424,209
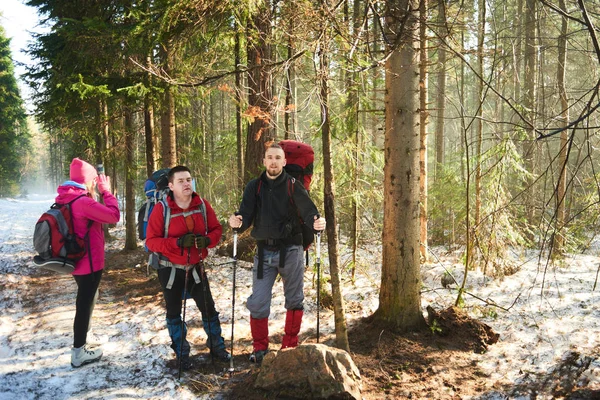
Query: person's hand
x,y
202,242
103,182
187,240
319,224
235,221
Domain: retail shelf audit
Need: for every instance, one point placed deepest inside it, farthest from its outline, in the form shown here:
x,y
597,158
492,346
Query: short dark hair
x,y
273,146
179,168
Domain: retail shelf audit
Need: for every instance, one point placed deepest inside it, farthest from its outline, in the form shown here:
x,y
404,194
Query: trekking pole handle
x,y
318,245
235,240
318,241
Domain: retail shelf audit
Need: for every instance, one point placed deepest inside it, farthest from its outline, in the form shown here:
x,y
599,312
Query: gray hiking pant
x,y
292,275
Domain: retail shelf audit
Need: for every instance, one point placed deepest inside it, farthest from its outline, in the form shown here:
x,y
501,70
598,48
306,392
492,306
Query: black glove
x,y
187,240
202,242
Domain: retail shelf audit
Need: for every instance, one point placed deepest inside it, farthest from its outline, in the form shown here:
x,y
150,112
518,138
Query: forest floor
x,y
530,332
440,363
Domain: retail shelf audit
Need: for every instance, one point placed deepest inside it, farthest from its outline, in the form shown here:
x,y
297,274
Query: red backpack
x,y
299,160
55,240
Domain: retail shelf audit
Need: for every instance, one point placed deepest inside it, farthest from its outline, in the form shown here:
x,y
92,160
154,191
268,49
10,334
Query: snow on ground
x,y
36,316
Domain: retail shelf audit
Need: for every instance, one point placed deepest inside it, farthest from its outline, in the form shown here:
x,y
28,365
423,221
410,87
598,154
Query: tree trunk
x,y
168,134
529,145
149,127
559,241
130,173
290,99
423,122
479,129
352,106
400,298
441,94
341,331
238,111
260,99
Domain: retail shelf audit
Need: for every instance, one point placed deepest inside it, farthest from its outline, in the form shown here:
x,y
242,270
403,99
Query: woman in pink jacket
x,y
88,217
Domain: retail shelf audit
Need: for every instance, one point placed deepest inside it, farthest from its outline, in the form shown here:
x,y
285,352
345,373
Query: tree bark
x,y
260,98
423,122
149,127
168,134
341,331
400,298
130,173
529,144
238,111
441,93
479,129
559,241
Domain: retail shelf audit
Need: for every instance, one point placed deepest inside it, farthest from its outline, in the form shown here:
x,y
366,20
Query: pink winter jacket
x,y
87,209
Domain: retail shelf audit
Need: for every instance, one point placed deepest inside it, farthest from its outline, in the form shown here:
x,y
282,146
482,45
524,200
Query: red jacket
x,y
155,231
84,210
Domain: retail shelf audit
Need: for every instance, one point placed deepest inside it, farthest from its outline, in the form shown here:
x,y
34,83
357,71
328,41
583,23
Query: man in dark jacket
x,y
180,235
273,204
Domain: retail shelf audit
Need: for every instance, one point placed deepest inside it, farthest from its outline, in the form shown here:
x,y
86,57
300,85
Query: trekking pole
x,y
187,272
235,239
204,278
318,281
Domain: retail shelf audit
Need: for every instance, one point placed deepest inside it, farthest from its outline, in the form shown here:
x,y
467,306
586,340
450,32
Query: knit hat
x,y
81,171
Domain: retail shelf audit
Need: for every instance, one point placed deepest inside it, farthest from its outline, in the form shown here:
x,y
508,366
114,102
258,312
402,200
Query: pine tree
x,y
14,135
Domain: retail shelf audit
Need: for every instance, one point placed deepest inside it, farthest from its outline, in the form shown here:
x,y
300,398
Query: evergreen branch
x,y
163,76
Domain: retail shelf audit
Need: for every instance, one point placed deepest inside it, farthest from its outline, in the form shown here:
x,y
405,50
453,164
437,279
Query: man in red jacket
x,y
180,229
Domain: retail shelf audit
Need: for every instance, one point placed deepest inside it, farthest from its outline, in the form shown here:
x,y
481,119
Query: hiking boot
x,y
82,355
257,356
221,355
186,363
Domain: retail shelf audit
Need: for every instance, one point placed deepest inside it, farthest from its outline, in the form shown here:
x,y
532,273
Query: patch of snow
x,y
545,312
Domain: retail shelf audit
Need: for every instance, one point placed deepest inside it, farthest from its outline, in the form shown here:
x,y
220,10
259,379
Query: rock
x,y
312,371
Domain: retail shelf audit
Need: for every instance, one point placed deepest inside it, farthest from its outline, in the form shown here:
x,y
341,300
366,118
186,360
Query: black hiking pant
x,y
87,285
199,292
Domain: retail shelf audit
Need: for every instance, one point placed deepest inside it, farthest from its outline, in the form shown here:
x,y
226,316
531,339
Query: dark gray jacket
x,y
268,205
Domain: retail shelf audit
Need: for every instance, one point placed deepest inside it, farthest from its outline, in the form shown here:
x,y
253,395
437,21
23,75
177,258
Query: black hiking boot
x,y
257,356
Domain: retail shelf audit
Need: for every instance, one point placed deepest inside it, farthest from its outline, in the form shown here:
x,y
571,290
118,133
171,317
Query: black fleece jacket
x,y
267,207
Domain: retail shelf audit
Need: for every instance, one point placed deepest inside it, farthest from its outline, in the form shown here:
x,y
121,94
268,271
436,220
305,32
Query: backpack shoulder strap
x,y
203,212
167,215
90,222
291,184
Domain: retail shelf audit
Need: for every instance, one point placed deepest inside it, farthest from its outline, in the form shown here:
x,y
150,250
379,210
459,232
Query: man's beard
x,y
275,174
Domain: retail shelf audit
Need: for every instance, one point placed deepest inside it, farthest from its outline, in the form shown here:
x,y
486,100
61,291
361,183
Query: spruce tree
x,y
14,135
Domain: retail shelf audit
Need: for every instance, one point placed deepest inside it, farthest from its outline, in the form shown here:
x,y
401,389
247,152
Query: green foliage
x,y
14,133
447,207
435,327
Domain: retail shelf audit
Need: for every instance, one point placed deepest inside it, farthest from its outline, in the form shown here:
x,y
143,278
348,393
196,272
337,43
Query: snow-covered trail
x,y
37,309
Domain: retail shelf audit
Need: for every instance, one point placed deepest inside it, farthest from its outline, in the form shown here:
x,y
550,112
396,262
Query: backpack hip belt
x,y
280,245
174,267
162,261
